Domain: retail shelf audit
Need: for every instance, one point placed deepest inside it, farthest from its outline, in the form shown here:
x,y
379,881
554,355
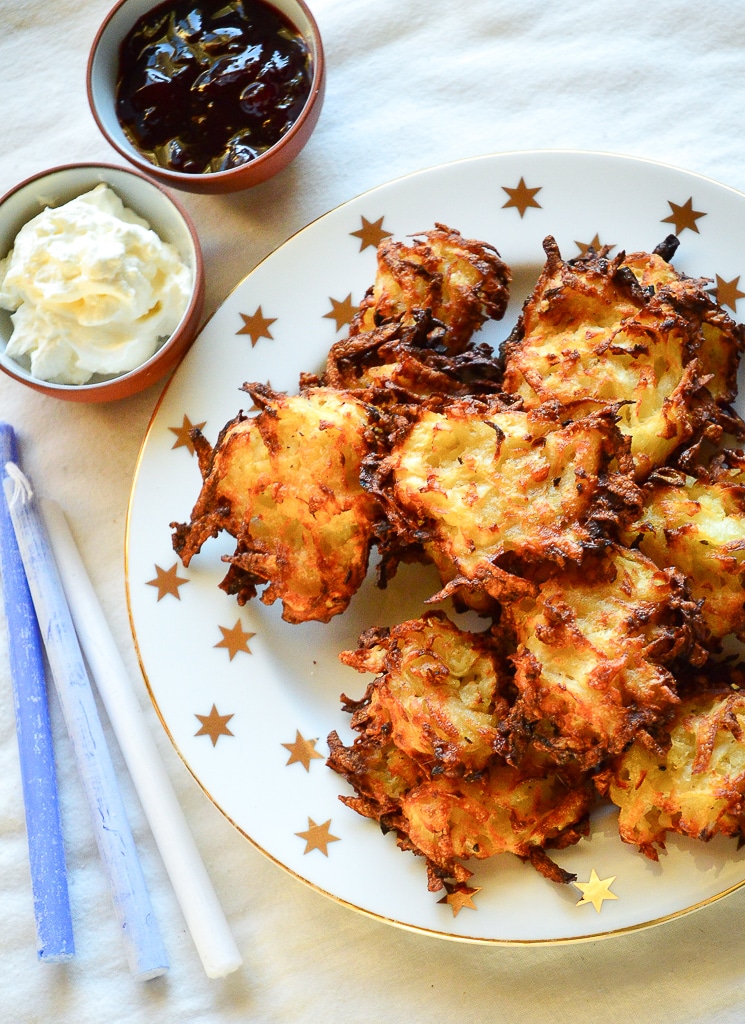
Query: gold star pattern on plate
x,y
596,891
183,440
317,837
521,197
257,326
302,751
458,897
682,217
595,244
371,234
235,640
167,582
214,725
341,312
727,292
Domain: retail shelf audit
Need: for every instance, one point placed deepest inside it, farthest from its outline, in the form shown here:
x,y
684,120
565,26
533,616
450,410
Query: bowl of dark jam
x,y
208,96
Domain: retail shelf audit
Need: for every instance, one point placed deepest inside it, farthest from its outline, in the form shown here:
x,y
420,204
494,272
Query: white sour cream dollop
x,y
92,288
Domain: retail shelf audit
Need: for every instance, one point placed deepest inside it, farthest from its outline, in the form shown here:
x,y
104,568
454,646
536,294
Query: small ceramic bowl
x,y
164,215
103,70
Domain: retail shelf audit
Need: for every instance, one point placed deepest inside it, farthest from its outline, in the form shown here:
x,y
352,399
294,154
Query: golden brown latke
x,y
448,820
626,330
461,282
695,787
413,769
479,485
697,525
591,651
412,334
286,485
439,695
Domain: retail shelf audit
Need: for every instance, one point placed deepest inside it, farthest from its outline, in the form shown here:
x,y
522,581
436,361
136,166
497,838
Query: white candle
x,y
191,883
144,946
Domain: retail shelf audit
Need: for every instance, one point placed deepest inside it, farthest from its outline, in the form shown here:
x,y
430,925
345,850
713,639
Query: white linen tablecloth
x,y
410,84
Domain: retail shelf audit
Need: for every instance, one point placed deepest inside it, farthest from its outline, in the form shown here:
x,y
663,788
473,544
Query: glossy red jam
x,y
205,86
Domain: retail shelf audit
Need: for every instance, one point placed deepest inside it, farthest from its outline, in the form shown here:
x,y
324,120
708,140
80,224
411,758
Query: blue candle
x,y
36,754
139,928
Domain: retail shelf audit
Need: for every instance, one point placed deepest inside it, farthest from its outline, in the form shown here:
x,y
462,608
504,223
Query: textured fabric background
x,y
410,84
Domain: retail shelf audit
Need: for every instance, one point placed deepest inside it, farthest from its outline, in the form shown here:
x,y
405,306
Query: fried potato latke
x,y
477,482
438,695
591,653
286,485
424,764
626,330
461,282
695,787
697,525
412,333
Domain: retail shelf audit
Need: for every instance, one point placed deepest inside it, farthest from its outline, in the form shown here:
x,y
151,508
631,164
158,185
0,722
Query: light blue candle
x,y
191,883
54,934
144,945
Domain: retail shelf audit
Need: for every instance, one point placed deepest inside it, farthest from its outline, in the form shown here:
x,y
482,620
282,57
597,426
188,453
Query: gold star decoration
x,y
214,725
683,217
257,326
727,292
302,751
235,640
458,897
317,837
595,244
183,439
371,234
167,581
341,312
596,890
521,197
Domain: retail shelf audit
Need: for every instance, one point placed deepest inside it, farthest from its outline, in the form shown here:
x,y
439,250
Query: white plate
x,y
291,680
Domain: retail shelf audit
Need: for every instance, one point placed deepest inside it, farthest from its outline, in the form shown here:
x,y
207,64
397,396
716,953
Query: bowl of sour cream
x,y
101,282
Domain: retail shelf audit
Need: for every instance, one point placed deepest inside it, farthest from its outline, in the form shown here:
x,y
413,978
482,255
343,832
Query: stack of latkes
x,y
583,491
